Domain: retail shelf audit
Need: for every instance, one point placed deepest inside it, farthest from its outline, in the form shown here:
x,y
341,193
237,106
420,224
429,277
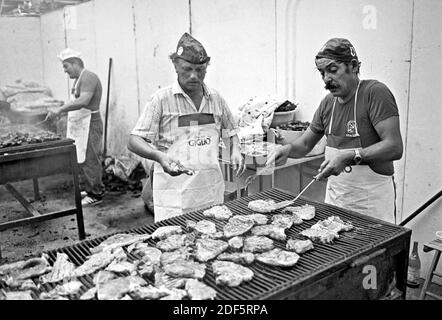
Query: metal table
x,y
32,161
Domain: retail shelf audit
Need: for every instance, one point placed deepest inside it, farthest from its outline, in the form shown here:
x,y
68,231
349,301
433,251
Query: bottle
x,y
414,267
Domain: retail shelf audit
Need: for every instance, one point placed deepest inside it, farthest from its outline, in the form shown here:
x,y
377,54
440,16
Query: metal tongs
x,y
282,204
38,124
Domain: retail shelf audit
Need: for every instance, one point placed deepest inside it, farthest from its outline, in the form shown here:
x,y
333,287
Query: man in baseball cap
x,y
180,129
360,119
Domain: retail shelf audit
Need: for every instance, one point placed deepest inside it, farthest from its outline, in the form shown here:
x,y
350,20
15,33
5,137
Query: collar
x,y
176,89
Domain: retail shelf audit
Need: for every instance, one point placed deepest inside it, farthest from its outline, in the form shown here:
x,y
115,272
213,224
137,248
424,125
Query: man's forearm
x,y
142,148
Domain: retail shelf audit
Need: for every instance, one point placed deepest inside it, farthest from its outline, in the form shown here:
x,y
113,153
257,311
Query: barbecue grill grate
x,y
367,234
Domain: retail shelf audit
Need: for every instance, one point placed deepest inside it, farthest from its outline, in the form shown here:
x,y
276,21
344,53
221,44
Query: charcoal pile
x,y
123,174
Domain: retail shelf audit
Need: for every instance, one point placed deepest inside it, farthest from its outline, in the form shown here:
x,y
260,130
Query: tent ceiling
x,y
32,7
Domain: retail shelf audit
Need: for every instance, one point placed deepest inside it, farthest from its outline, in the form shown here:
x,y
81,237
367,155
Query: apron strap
x,y
354,107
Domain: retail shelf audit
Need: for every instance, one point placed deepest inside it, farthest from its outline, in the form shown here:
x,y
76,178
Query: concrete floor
x,y
119,211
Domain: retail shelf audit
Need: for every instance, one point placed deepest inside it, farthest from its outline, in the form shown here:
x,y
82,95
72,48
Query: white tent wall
x,y
423,136
240,38
20,50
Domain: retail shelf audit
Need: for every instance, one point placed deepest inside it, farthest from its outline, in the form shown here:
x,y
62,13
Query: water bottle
x,y
414,267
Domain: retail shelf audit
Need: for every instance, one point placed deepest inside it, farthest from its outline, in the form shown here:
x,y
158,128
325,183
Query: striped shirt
x,y
160,115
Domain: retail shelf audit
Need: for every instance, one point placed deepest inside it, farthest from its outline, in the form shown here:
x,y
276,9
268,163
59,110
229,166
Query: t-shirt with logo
x,y
375,103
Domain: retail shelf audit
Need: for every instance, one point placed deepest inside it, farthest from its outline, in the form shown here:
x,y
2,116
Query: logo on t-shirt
x,y
351,129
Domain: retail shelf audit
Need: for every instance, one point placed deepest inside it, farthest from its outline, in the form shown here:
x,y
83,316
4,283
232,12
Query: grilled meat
x,y
285,220
185,269
115,289
164,280
163,232
258,218
18,271
257,244
262,206
175,294
237,226
148,253
198,290
217,235
270,230
230,274
278,257
173,242
173,256
305,212
299,246
99,261
121,267
62,269
90,294
322,235
28,285
238,257
119,240
151,293
218,212
207,249
236,242
334,224
103,277
202,226
17,295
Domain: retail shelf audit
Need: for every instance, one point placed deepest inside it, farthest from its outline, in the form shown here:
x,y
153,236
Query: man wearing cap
x,y
84,123
360,119
179,130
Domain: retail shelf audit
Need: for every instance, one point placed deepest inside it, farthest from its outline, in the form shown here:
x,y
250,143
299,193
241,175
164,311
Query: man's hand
x,y
237,161
279,155
335,165
52,115
173,167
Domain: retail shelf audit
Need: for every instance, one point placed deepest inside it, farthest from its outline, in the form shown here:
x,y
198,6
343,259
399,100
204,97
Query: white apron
x,y
196,147
361,190
78,122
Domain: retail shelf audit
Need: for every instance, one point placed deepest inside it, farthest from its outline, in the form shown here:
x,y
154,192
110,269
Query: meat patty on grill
x,y
262,206
198,290
299,246
237,226
238,257
163,232
270,230
278,257
305,212
230,274
257,244
185,269
207,249
218,212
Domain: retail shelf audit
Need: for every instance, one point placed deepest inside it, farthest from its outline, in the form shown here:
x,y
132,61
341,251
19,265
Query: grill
x,y
332,271
35,160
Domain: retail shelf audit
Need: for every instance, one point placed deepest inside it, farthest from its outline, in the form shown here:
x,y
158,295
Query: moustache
x,y
329,86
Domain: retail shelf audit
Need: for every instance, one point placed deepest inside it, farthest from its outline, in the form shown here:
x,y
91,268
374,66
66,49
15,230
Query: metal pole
x,y
425,205
107,109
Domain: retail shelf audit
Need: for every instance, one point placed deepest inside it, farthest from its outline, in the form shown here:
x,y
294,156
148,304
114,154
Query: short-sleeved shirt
x,y
375,103
89,82
160,115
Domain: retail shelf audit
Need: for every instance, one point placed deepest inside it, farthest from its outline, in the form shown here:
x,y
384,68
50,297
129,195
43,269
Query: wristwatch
x,y
357,158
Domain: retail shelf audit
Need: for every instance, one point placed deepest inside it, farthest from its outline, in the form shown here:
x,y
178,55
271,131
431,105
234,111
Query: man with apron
x,y
84,124
180,129
361,122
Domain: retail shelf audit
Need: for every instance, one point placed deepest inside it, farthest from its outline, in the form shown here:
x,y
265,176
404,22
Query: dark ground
x,y
120,211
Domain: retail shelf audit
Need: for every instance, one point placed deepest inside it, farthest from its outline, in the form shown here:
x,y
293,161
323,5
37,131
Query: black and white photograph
x,y
242,153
